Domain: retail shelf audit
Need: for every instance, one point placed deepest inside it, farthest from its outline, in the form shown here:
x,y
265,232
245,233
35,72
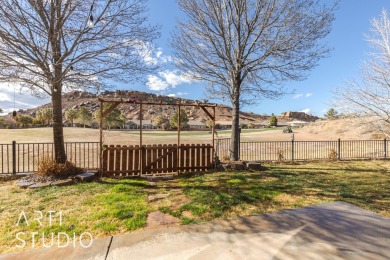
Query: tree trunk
x,y
58,134
235,136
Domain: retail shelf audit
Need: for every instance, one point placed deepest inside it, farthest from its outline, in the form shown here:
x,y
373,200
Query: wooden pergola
x,y
116,102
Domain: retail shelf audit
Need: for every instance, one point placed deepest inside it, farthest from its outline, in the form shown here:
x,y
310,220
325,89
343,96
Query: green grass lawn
x,y
114,206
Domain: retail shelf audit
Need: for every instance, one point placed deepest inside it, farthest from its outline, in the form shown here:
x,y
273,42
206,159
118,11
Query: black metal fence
x,y
306,150
24,157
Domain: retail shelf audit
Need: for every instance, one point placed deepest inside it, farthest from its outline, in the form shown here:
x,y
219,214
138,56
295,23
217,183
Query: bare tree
x,y
245,49
370,95
58,45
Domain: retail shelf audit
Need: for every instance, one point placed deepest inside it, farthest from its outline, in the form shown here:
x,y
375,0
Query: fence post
x,y
239,143
385,147
14,157
339,150
292,147
292,150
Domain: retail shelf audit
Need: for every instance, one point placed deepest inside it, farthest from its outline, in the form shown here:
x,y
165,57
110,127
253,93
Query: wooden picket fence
x,y
123,161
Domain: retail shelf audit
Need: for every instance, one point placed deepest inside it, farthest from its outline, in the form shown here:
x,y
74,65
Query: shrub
x,y
332,155
273,121
173,121
280,154
48,167
24,120
331,114
225,158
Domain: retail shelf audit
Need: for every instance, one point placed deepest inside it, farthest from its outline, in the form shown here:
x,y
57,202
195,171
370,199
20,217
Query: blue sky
x,y
312,95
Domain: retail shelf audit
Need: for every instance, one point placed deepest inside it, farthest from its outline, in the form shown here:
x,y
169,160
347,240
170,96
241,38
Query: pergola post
x,y
178,125
213,129
140,139
101,139
178,136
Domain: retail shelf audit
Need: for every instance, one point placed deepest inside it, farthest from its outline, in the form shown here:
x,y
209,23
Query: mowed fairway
x,y
131,137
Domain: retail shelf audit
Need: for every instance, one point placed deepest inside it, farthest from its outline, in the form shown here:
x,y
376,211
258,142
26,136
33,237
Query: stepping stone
x,y
158,219
62,182
238,167
39,185
254,166
24,184
167,177
157,197
227,167
87,176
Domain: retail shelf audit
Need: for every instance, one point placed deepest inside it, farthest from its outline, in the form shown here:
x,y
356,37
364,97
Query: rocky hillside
x,y
78,99
298,116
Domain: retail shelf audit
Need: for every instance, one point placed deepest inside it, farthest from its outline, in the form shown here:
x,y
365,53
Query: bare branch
x,y
245,49
370,95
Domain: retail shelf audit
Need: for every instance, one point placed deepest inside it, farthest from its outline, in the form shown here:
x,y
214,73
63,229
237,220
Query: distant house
x,y
224,124
193,124
297,123
135,124
283,122
228,124
264,122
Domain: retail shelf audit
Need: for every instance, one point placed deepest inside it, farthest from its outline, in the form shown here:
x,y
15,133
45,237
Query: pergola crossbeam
x,y
110,109
207,113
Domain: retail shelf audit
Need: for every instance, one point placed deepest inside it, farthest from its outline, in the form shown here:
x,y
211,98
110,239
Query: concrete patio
x,y
330,231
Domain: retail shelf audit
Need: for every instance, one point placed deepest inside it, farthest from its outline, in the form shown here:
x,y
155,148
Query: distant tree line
x,y
81,117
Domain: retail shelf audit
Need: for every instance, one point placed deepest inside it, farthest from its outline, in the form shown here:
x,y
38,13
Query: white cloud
x,y
4,97
23,100
307,95
173,78
166,59
159,52
306,110
168,79
149,53
178,94
145,50
156,84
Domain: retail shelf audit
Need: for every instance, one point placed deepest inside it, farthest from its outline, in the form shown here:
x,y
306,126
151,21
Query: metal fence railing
x,y
305,150
25,157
